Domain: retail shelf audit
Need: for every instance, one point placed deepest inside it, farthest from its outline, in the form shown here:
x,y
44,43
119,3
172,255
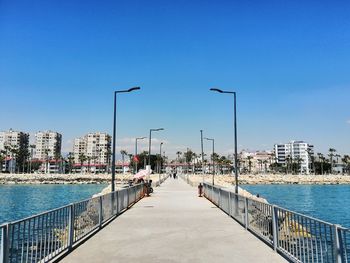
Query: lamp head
x,y
134,88
217,90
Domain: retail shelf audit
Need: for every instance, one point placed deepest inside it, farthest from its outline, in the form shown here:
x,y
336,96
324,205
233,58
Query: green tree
x,y
188,157
123,153
346,161
331,155
2,159
178,153
249,158
82,158
70,158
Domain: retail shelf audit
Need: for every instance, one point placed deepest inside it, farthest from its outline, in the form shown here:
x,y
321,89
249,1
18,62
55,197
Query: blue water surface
x,y
20,201
330,203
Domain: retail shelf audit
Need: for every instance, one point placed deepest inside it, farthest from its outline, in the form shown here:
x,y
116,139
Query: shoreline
x,y
36,179
244,179
10,179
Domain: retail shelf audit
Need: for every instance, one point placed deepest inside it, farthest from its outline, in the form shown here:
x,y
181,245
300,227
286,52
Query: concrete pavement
x,y
173,225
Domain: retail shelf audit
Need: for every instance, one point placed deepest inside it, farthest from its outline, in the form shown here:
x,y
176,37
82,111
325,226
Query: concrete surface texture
x,y
173,225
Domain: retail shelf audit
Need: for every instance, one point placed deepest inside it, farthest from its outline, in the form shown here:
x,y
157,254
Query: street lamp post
x,y
202,154
115,130
160,157
160,160
140,138
150,143
212,158
235,132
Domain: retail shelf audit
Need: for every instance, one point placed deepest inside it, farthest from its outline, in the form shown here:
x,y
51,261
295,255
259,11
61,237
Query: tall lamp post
x,y
235,132
212,158
150,143
136,139
160,156
115,130
202,154
160,160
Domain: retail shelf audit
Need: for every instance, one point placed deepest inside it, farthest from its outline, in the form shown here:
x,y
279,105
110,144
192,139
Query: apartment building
x,y
9,141
47,145
295,151
93,150
255,162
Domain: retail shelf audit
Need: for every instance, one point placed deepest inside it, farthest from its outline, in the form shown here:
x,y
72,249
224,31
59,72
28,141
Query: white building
x,y
47,145
96,148
295,151
255,162
9,141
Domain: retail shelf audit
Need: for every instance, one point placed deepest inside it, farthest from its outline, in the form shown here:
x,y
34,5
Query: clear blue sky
x,y
288,61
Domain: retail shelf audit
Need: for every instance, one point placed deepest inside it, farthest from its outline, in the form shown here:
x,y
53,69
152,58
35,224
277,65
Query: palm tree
x,y
265,162
288,159
46,152
178,153
70,158
249,158
88,158
2,158
32,148
123,153
299,161
331,155
321,158
82,159
346,161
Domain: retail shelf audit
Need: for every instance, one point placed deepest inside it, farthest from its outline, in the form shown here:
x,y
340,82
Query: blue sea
x,y
20,201
330,203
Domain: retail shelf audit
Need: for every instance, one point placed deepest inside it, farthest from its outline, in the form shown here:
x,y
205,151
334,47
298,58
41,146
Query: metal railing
x,y
42,237
298,237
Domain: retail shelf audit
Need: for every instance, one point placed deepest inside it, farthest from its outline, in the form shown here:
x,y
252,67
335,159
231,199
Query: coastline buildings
x,y
295,152
92,152
11,142
48,151
254,162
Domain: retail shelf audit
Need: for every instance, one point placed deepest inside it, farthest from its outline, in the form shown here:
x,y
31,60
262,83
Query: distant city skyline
x,y
287,61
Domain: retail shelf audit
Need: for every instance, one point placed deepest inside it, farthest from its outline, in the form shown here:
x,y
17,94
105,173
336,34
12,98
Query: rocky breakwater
x,y
274,179
61,178
291,179
225,182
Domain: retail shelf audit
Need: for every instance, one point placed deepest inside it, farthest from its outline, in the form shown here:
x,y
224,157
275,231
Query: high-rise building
x,y
47,145
10,142
295,152
93,149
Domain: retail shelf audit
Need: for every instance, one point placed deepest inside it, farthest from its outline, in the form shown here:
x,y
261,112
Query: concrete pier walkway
x,y
173,225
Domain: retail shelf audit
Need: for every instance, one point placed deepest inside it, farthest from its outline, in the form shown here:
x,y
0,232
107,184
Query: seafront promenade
x,y
173,225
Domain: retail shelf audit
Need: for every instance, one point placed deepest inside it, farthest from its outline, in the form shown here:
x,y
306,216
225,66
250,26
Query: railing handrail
x,y
298,237
52,233
62,207
277,206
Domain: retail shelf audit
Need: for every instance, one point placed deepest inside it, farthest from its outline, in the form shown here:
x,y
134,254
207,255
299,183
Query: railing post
x,y
134,187
229,204
71,227
246,213
4,249
275,227
100,216
219,199
337,244
116,199
127,196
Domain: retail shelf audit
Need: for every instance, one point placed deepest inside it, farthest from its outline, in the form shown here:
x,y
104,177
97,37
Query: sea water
x,y
20,201
330,203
